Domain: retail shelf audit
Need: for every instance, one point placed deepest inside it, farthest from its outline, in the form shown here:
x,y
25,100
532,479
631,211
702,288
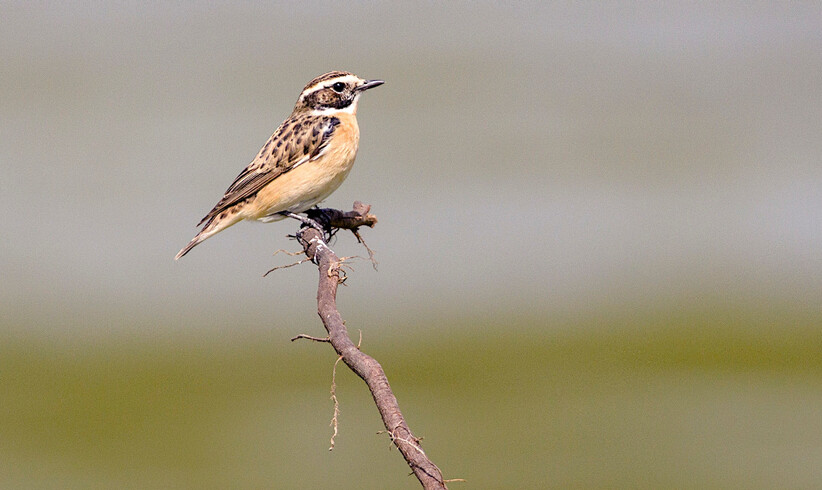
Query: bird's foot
x,y
323,228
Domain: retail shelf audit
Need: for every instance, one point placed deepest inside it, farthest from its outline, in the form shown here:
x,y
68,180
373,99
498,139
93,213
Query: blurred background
x,y
600,245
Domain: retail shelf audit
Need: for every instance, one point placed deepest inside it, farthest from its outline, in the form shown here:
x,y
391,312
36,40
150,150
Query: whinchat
x,y
304,161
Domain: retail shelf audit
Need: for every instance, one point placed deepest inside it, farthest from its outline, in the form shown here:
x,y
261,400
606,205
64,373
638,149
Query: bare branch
x,y
349,220
365,366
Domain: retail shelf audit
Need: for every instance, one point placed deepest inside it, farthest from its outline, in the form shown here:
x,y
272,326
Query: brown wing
x,y
296,141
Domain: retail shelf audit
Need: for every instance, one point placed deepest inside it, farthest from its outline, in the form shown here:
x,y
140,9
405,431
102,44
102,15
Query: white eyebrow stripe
x,y
327,83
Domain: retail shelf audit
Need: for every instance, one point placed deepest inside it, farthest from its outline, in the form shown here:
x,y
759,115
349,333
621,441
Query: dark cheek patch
x,y
327,98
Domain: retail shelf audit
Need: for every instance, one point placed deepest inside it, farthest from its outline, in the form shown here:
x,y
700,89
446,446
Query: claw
x,y
306,221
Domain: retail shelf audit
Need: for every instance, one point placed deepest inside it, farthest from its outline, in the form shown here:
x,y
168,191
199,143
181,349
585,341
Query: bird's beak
x,y
370,84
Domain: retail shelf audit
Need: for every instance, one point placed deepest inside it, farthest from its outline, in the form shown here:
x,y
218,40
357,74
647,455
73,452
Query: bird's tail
x,y
193,243
212,227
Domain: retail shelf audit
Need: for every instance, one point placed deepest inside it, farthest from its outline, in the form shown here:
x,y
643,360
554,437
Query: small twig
x,y
360,239
334,419
309,337
285,266
290,254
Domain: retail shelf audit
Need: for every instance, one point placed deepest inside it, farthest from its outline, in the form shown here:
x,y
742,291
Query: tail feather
x,y
212,227
193,243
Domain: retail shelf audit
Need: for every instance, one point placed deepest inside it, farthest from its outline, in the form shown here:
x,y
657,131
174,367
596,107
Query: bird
x,y
306,159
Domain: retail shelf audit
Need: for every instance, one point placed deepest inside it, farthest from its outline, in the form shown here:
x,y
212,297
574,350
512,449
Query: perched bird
x,y
304,161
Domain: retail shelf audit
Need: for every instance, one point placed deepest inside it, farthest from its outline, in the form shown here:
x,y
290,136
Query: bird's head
x,y
336,91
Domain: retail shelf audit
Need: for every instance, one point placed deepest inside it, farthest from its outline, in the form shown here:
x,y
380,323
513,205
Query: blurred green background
x,y
600,246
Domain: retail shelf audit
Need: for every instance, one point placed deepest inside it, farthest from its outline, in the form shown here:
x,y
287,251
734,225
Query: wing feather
x,y
285,155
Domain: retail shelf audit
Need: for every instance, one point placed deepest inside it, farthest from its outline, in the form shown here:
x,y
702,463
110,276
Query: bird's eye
x,y
338,87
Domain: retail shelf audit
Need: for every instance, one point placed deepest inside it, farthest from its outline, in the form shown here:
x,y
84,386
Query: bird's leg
x,y
309,222
304,220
